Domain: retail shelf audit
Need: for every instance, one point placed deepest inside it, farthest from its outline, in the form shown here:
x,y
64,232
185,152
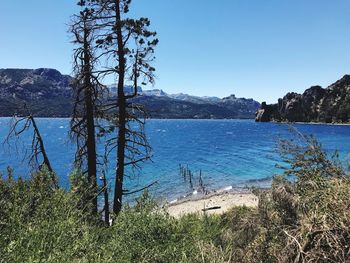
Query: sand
x,y
213,204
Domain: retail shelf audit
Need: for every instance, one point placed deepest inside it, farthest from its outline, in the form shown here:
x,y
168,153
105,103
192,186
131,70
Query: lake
x,y
228,152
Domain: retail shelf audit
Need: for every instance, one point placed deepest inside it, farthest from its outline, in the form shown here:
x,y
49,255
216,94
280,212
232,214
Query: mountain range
x,y
47,93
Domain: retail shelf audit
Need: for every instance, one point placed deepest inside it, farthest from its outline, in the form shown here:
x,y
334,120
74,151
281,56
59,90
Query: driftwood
x,y
126,192
211,208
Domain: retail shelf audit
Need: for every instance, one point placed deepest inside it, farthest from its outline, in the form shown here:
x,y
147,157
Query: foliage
x,y
307,220
303,221
42,224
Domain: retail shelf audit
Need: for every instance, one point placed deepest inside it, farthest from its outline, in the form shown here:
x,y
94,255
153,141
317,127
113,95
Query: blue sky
x,y
252,48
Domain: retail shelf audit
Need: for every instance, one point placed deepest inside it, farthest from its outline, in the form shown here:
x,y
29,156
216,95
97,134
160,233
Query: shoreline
x,y
213,119
68,117
309,123
216,202
324,123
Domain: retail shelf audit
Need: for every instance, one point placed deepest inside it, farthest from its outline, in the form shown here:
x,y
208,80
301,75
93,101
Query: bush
x,y
306,220
304,217
43,224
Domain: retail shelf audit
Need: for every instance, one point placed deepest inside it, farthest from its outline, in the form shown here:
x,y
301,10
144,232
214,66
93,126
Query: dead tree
x,y
87,91
37,155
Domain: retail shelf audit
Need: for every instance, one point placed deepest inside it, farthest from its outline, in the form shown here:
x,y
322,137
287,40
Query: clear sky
x,y
252,48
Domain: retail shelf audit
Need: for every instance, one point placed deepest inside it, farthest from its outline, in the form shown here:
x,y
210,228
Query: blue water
x,y
229,152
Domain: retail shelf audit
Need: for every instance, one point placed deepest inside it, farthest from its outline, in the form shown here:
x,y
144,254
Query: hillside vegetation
x,y
302,221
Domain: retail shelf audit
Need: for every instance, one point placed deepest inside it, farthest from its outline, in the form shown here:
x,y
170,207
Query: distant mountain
x,y
316,104
45,91
159,104
194,99
48,94
153,93
167,107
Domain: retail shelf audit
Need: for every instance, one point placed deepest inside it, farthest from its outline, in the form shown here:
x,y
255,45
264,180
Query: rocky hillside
x,y
316,104
45,91
48,94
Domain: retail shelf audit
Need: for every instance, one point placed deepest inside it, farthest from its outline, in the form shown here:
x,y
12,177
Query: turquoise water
x,y
229,152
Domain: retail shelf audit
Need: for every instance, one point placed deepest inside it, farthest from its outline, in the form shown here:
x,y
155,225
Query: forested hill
x,y
316,104
48,94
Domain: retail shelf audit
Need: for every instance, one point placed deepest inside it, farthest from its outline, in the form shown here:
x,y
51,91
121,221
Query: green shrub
x,y
306,219
43,224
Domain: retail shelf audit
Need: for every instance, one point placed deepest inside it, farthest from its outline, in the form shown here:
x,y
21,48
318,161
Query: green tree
x,y
127,46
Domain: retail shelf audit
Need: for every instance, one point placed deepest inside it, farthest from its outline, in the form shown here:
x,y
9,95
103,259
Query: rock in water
x,y
267,113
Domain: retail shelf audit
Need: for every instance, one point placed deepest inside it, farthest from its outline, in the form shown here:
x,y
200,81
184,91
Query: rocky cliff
x,y
316,104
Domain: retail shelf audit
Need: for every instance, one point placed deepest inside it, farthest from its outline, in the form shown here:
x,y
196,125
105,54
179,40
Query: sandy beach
x,y
217,203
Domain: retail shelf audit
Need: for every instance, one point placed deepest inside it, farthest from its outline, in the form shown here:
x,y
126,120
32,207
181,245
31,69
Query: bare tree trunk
x,y
118,190
37,147
46,160
84,111
106,206
41,145
90,125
